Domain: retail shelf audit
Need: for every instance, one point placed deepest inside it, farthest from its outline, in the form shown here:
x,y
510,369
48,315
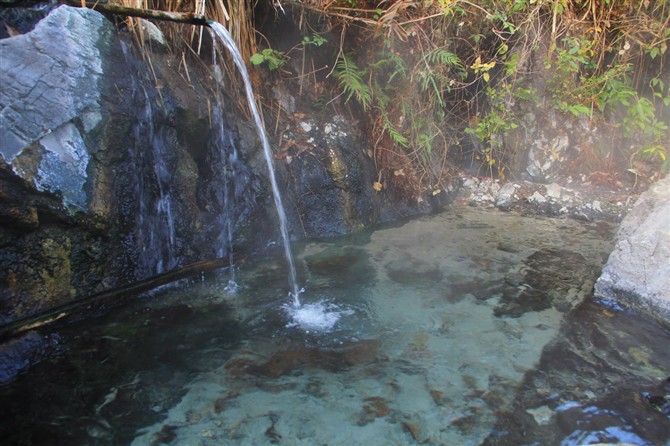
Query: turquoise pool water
x,y
464,328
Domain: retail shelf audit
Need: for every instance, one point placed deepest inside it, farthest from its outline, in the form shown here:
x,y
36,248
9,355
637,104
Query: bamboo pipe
x,y
178,17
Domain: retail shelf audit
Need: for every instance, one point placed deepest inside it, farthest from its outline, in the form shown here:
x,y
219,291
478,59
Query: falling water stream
x,y
224,36
156,237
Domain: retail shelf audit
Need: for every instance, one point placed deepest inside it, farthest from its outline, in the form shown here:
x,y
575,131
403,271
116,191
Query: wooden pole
x,y
179,17
133,289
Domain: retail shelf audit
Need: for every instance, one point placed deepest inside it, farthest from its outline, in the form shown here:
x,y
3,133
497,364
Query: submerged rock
x,y
22,352
552,277
602,380
637,273
284,362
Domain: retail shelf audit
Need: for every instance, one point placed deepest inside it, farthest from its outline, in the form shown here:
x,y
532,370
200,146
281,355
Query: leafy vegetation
x,y
435,78
274,59
351,81
440,72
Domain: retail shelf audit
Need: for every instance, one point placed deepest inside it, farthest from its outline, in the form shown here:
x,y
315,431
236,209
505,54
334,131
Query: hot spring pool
x,y
465,328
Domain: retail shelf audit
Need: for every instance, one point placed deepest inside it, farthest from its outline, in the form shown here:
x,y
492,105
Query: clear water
x,y
463,328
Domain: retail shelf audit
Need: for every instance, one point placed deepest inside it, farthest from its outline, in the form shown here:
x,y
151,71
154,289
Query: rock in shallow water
x,y
285,362
24,351
637,272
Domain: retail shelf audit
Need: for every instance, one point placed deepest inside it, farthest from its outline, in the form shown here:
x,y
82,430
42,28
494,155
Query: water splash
x,y
224,36
318,316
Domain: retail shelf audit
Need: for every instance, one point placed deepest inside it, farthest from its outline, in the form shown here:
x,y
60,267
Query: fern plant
x,y
350,78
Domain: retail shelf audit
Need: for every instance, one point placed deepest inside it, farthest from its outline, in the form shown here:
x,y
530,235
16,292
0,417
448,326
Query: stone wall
x,y
105,164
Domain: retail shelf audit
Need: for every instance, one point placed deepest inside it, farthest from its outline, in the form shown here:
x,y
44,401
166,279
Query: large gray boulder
x,y
637,273
49,78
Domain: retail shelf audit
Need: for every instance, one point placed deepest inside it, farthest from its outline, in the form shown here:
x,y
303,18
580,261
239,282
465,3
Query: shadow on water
x,y
111,375
604,379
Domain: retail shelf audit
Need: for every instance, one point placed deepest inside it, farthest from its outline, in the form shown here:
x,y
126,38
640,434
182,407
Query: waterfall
x,y
155,220
222,33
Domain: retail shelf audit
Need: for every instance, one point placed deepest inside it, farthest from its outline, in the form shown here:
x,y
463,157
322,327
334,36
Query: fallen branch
x,y
179,17
95,300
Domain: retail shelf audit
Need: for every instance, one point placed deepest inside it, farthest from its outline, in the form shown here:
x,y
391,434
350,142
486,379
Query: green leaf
x,y
257,59
315,40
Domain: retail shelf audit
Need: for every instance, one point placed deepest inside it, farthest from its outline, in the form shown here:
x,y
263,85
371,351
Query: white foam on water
x,y
319,316
232,287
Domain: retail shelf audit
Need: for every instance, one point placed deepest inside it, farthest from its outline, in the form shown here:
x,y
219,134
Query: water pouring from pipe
x,y
318,316
222,33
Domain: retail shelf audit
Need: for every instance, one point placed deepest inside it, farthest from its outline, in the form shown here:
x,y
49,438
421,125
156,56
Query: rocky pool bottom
x,y
464,328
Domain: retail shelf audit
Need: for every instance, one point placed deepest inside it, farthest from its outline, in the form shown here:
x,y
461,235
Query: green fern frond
x,y
440,56
351,81
393,132
394,63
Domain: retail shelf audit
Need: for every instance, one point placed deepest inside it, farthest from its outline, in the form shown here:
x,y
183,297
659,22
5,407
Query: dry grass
x,y
235,15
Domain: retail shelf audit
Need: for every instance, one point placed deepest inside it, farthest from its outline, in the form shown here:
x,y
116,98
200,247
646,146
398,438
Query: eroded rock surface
x,y
107,178
50,77
637,272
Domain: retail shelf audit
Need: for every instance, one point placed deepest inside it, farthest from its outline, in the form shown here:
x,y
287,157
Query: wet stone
x,y
222,403
271,432
373,407
352,264
592,386
284,362
410,270
24,351
439,398
165,436
552,278
412,429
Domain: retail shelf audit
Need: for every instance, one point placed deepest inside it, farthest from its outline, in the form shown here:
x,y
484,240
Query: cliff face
x,y
108,174
113,169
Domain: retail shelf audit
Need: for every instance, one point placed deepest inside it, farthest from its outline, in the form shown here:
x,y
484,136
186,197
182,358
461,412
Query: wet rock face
x,y
45,254
55,183
329,177
104,179
25,351
637,273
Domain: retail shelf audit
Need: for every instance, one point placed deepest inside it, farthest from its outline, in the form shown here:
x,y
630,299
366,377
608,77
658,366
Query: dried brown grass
x,y
235,15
